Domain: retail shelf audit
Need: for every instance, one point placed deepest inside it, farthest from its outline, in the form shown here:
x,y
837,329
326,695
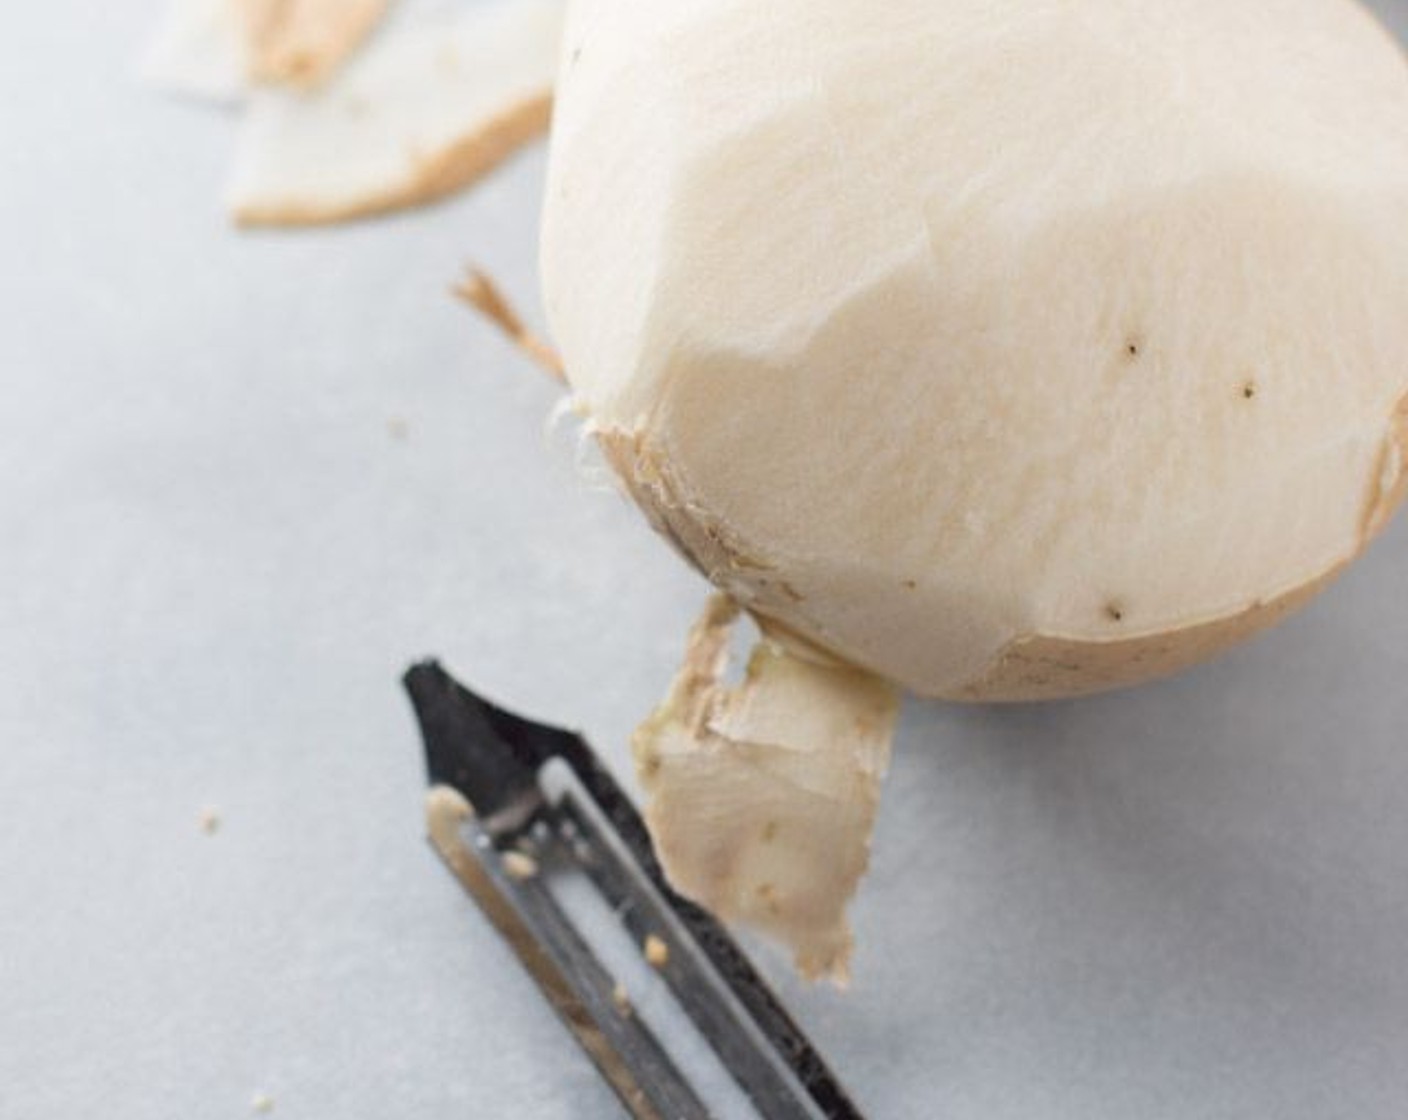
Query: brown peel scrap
x,y
416,117
482,294
763,797
300,43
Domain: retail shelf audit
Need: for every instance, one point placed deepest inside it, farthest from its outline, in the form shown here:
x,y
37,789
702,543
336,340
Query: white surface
x,y
198,51
1186,902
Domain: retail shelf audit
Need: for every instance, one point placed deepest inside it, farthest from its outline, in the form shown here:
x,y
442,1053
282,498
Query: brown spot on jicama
x,y
433,177
770,832
1115,611
1249,390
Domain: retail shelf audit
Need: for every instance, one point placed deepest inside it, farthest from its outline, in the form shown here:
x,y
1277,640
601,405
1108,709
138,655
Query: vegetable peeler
x,y
517,810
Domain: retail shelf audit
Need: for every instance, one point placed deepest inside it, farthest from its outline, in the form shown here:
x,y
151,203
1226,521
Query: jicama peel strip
x,y
762,798
216,50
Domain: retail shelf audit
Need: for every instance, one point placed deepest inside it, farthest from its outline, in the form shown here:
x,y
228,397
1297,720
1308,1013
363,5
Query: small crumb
x,y
302,65
520,866
621,999
262,1103
583,853
657,953
398,429
209,820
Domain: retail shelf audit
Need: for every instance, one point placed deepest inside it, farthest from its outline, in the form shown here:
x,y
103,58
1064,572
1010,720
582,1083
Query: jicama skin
x,y
1007,350
420,114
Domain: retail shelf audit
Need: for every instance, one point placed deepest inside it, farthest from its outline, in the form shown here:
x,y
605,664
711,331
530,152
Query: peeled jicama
x,y
1005,350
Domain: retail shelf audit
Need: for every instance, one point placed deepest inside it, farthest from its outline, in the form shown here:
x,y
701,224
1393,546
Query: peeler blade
x,y
515,803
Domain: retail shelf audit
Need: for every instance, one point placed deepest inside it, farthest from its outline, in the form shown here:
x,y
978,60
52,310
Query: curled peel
x,y
414,118
762,798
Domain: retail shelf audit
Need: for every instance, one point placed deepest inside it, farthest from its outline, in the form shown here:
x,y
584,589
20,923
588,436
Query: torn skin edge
x,y
762,798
